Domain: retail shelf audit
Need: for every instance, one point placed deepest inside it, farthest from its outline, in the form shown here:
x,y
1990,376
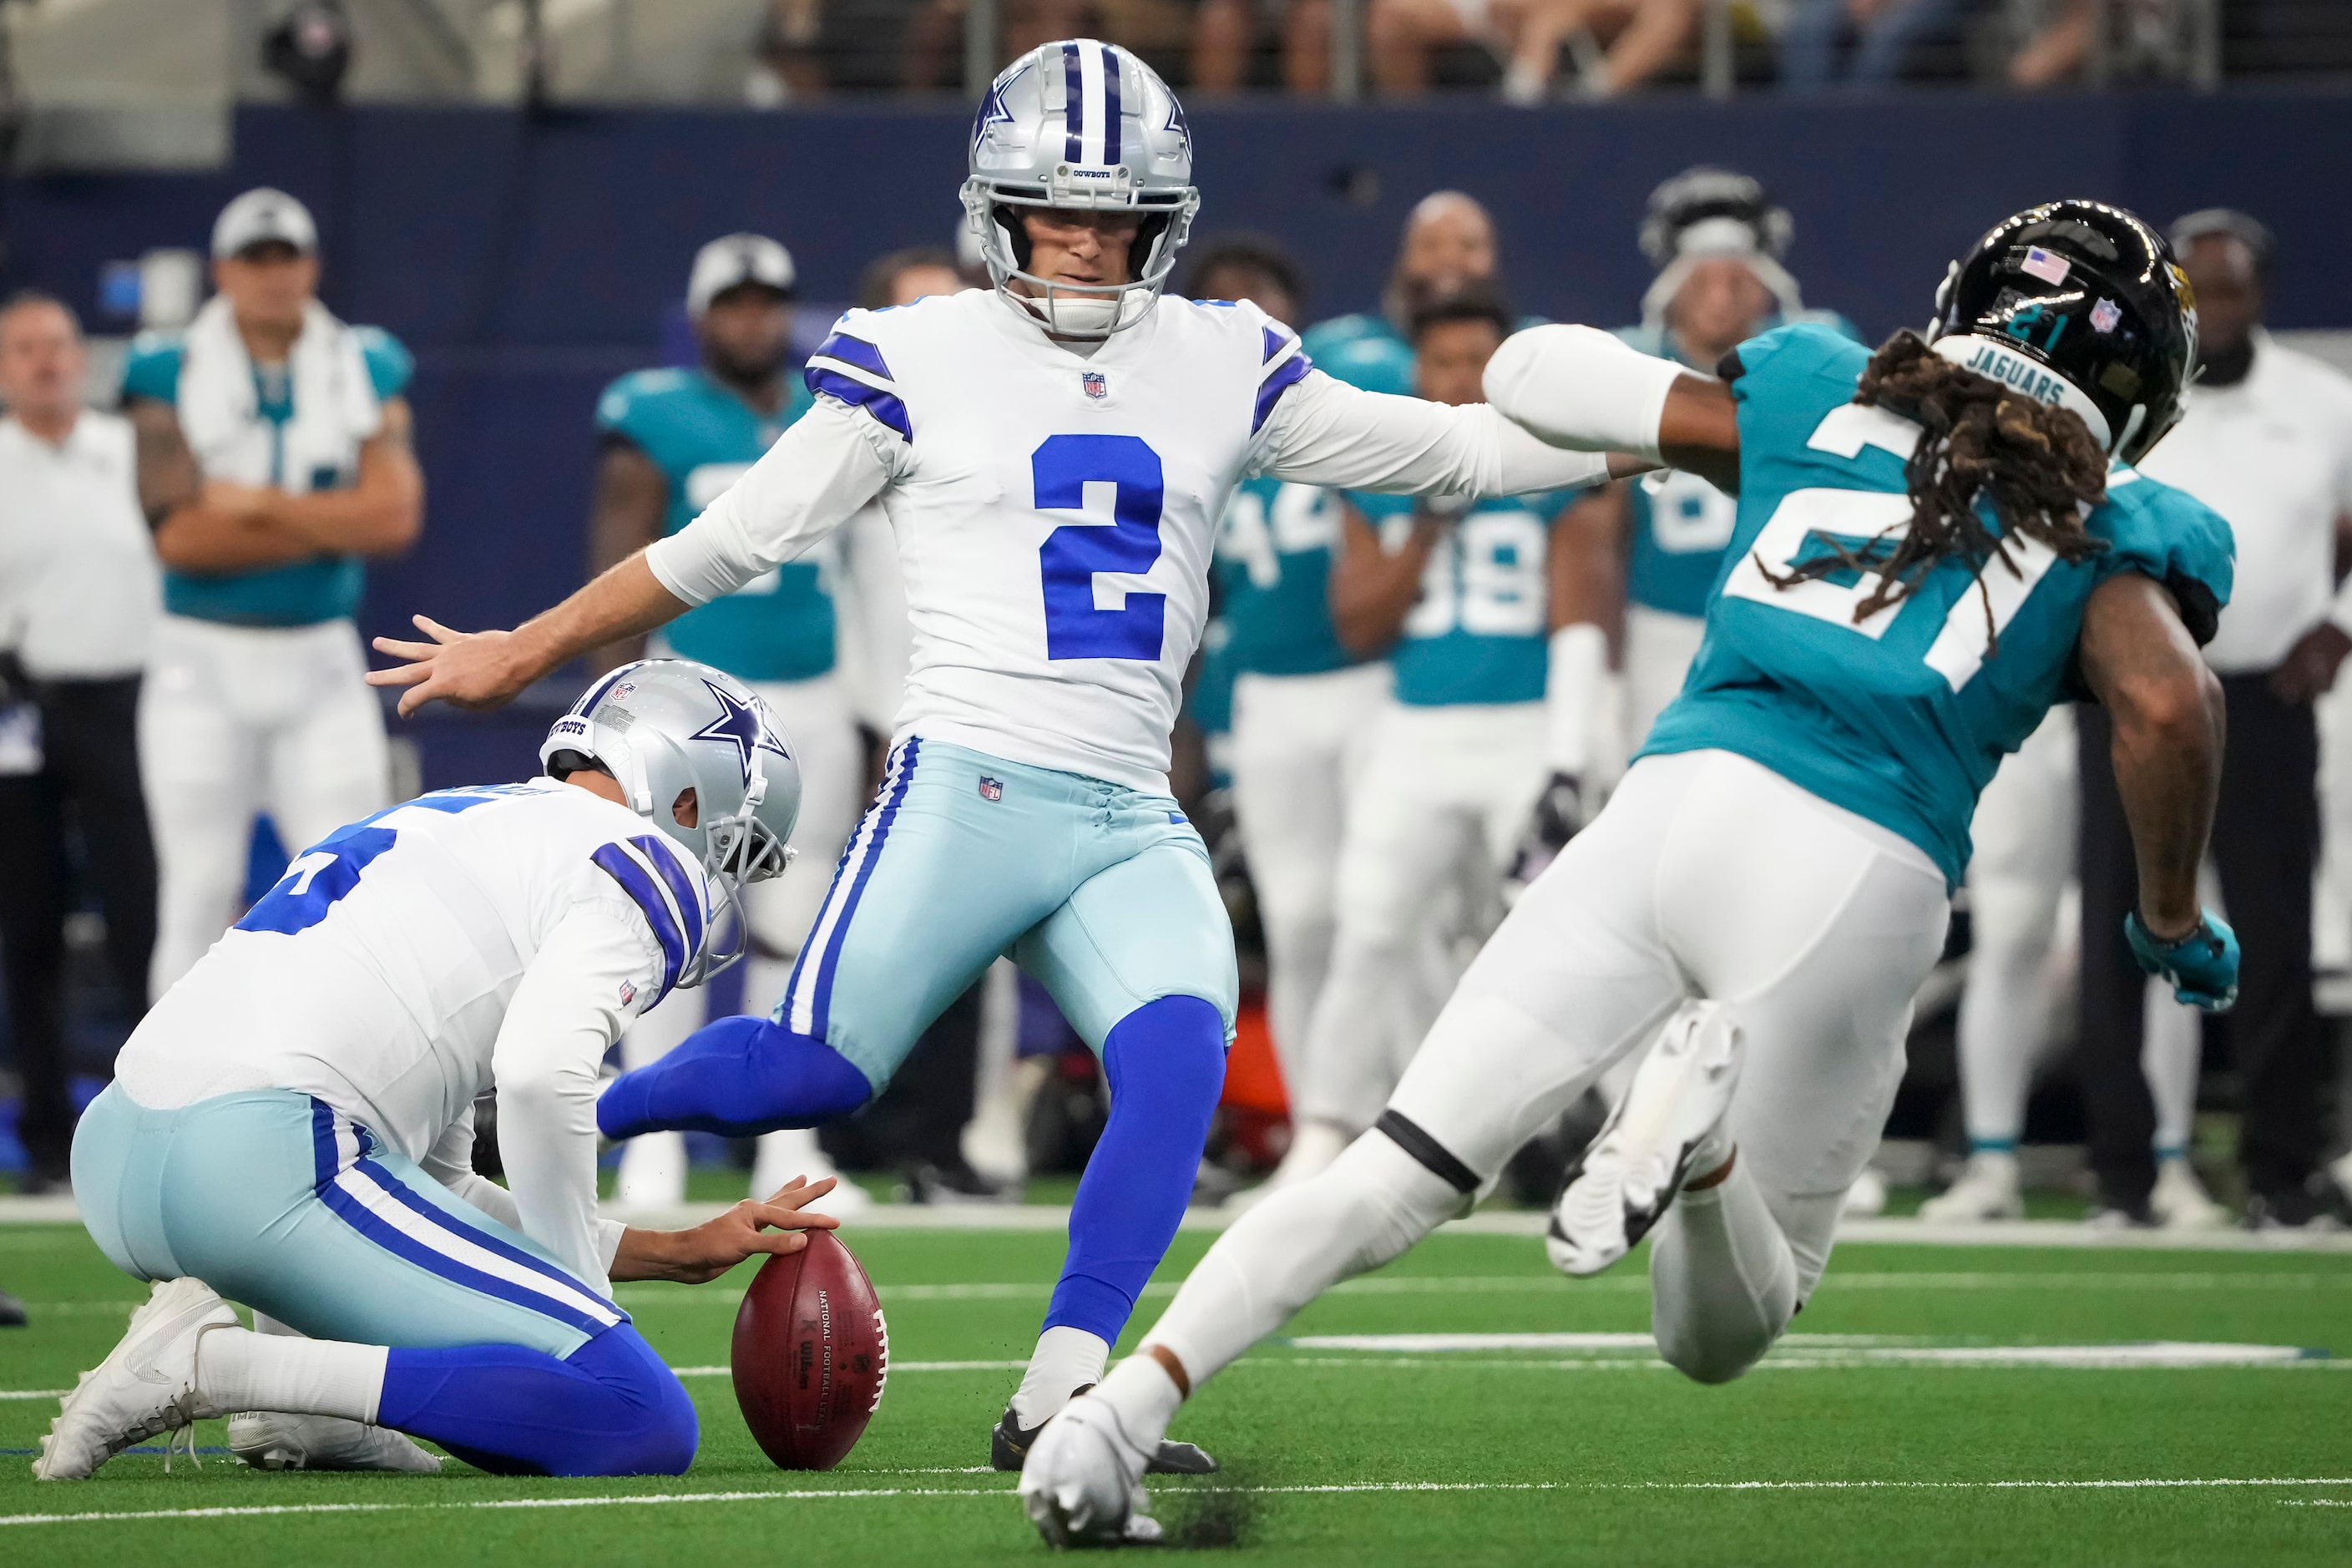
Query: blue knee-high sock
x,y
738,1078
1166,1064
610,1408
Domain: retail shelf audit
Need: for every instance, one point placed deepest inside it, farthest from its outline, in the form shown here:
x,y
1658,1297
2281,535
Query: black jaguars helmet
x,y
2079,304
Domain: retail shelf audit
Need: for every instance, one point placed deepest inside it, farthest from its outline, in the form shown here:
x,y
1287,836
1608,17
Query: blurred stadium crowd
x,y
176,596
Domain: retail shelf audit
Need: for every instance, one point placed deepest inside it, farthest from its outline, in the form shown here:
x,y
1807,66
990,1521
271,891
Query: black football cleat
x,y
12,1311
1008,1449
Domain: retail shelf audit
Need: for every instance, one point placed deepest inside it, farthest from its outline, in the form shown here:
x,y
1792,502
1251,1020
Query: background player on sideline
x,y
292,1126
673,441
274,456
1929,558
1054,456
1460,596
1303,706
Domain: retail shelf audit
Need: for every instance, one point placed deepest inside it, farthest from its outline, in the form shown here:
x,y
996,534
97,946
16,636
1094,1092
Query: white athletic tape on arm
x,y
1578,660
1580,388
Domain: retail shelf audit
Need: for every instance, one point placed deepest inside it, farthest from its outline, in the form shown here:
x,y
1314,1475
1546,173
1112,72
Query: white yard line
x,y
856,1493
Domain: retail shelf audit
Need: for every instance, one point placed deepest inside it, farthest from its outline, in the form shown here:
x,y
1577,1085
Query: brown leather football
x,y
811,1354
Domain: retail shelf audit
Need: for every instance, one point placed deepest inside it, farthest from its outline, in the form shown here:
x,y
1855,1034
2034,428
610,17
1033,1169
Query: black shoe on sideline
x,y
1008,1449
12,1311
2318,1205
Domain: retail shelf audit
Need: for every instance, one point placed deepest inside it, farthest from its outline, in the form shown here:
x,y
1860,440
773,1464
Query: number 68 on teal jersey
x,y
1902,718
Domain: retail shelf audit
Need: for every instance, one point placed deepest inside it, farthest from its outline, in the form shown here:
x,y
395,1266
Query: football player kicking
x,y
1934,543
292,1125
1054,456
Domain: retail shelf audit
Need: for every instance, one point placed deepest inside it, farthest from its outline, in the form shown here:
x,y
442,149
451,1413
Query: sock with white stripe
x,y
738,1078
240,1370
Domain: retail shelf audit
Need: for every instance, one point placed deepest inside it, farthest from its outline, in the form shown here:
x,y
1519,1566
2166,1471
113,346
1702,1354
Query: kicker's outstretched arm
x,y
1580,388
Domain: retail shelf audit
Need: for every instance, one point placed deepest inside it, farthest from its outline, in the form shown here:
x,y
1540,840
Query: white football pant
x,y
1707,875
1300,744
233,722
1445,797
815,717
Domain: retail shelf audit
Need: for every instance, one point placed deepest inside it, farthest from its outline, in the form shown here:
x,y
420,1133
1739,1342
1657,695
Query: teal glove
x,y
2202,966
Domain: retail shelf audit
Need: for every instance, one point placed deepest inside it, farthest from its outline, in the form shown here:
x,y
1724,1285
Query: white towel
x,y
335,407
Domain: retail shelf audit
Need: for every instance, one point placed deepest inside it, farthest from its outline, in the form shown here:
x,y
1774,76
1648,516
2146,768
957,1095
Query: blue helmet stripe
x,y
1111,104
595,693
858,394
1073,107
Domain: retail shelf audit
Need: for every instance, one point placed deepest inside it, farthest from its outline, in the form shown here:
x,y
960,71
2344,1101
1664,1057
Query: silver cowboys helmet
x,y
1086,125
664,726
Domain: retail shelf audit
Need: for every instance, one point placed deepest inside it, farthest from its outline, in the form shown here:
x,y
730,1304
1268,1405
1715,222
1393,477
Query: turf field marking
x,y
1843,1350
33,1393
862,1493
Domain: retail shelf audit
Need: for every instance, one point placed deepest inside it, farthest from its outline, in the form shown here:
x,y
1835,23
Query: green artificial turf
x,y
1522,1457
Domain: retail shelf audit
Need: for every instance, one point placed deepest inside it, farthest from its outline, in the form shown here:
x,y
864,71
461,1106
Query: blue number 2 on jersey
x,y
1060,470
330,869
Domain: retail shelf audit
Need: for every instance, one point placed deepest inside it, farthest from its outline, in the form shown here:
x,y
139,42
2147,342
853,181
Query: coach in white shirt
x,y
78,598
2267,443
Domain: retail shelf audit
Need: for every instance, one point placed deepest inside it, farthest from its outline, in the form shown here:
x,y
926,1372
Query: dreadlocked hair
x,y
2036,463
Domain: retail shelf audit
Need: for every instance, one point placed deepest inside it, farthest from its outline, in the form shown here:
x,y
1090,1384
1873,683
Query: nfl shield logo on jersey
x,y
1097,388
992,789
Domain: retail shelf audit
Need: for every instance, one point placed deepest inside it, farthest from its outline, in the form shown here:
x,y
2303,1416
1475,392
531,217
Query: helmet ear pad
x,y
1007,217
1148,237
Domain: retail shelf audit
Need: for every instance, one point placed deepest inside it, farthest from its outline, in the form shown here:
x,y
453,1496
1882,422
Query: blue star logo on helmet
x,y
742,725
992,109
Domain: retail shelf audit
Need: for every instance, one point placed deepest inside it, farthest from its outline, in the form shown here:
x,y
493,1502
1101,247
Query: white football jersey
x,y
1055,512
470,939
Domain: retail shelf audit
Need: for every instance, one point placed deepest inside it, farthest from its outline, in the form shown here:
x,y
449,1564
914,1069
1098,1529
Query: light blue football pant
x,y
1100,891
277,1201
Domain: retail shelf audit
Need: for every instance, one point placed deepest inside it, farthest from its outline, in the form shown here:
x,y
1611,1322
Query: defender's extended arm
x,y
1325,432
1580,388
2139,659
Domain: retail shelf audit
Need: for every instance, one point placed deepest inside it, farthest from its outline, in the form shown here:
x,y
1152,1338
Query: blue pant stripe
x,y
885,815
356,1215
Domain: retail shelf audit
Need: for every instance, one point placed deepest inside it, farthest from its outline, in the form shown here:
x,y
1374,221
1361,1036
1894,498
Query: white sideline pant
x,y
1659,647
1444,798
1707,875
1300,744
2024,833
233,722
816,718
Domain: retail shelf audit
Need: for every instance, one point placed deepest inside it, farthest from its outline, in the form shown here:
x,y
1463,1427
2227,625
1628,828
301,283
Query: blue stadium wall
x,y
527,261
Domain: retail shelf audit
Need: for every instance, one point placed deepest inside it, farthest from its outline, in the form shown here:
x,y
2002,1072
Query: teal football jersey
x,y
1363,350
1903,717
703,436
1680,524
1273,572
1481,629
300,593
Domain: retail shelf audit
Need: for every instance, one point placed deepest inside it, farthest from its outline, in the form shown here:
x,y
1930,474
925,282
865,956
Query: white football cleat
x,y
279,1440
1867,1197
1988,1189
2180,1202
653,1173
793,1152
1082,1485
146,1384
1668,1124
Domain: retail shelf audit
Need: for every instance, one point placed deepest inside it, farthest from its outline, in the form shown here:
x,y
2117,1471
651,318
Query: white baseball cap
x,y
736,258
260,215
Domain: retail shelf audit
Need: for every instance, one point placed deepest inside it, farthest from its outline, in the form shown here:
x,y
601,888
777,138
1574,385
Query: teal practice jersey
x,y
1274,573
1481,629
1902,719
300,592
703,436
1680,524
